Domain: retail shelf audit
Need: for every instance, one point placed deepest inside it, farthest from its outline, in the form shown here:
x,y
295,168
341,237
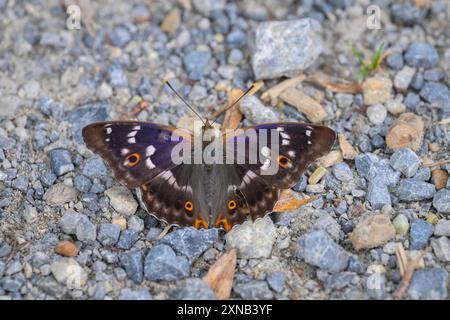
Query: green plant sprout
x,y
368,67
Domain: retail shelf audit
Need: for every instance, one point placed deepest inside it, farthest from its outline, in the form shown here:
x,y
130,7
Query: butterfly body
x,y
224,178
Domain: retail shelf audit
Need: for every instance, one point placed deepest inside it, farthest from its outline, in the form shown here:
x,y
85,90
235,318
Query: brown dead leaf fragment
x,y
271,96
288,201
348,152
220,275
311,108
327,82
330,159
233,116
429,163
137,109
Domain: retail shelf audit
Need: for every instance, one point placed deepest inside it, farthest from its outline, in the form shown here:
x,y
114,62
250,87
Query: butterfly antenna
x,y
234,103
184,101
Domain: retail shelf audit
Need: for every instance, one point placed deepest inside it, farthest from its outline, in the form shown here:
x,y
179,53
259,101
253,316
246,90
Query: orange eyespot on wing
x,y
284,161
232,205
132,160
188,206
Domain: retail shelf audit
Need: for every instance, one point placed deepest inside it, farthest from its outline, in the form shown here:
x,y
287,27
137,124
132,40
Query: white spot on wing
x,y
132,134
149,164
137,128
285,142
285,135
265,165
291,153
308,133
265,151
107,139
124,151
108,130
150,150
280,129
132,140
309,142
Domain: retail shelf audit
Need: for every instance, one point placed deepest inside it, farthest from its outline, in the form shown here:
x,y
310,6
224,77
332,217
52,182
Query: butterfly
x,y
220,194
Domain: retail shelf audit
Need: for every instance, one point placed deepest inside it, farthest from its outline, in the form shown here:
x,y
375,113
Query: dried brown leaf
x,y
271,95
330,159
312,109
288,201
220,275
327,82
233,116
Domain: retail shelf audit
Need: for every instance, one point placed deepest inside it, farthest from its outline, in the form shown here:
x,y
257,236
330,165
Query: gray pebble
x,y
276,281
191,242
82,183
61,161
318,249
255,111
420,233
378,195
120,36
342,172
415,190
141,294
373,168
411,101
437,94
161,263
429,284
193,289
441,201
253,290
85,114
423,174
127,239
136,223
442,228
48,178
133,264
406,161
108,234
94,167
395,61
117,76
422,55
20,183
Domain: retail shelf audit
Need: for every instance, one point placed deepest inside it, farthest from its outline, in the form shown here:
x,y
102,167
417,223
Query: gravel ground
x,y
69,231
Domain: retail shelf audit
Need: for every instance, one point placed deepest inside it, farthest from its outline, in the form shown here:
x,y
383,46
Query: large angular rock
x,y
285,47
